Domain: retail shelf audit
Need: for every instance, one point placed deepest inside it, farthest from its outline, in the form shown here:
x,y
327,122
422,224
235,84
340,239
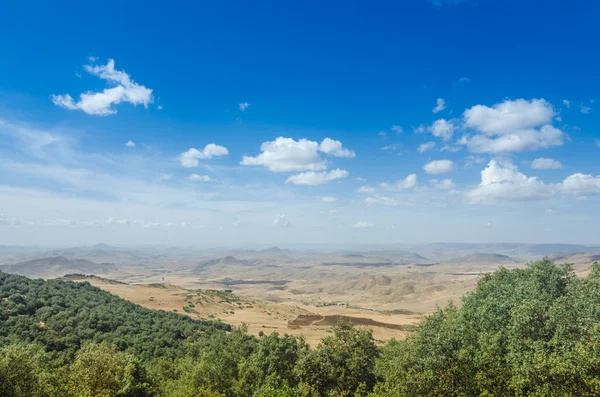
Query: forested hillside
x,y
62,315
525,332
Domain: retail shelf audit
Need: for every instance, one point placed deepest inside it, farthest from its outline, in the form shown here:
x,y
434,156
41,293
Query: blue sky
x,y
401,122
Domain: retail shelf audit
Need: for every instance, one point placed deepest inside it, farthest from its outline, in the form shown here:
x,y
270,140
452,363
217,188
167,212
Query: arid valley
x,y
297,292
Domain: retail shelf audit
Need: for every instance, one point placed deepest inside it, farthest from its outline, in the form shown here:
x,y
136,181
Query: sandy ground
x,y
257,314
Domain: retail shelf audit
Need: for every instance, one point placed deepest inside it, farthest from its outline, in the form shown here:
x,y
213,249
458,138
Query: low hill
x,y
224,261
57,266
484,259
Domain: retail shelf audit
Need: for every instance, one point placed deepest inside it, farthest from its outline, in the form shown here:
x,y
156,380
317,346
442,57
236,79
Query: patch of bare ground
x,y
282,316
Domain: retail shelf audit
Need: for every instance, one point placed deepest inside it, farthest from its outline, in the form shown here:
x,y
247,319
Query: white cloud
x,y
472,160
388,201
509,116
362,225
4,221
517,141
101,103
567,103
501,181
244,106
332,212
425,147
450,148
366,189
580,185
442,128
511,126
288,155
130,144
407,183
397,129
165,177
392,147
585,109
190,158
440,105
444,184
198,178
314,178
114,221
329,199
281,220
382,134
159,107
334,148
546,164
438,167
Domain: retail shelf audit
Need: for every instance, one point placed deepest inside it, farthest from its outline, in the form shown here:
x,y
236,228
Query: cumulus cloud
x,y
130,144
366,189
425,147
439,167
334,148
444,184
407,183
509,116
190,158
517,141
199,178
362,225
314,178
281,220
580,185
123,89
244,106
511,126
288,155
501,181
567,103
442,128
329,199
546,164
440,105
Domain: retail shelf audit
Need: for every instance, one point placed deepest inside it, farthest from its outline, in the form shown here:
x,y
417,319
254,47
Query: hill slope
x,y
61,315
57,266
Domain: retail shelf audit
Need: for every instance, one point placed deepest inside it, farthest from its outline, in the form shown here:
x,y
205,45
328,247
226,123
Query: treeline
x,y
525,332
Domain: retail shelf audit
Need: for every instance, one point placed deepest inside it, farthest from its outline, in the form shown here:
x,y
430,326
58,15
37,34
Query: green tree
x,y
100,370
342,364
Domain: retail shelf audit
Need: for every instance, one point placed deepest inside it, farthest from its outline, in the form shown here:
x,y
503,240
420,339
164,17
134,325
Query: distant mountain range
x,y
483,259
57,266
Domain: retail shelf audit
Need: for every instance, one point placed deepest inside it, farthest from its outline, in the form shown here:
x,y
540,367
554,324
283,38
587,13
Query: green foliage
x,y
524,332
341,363
62,315
99,370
